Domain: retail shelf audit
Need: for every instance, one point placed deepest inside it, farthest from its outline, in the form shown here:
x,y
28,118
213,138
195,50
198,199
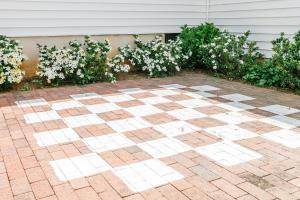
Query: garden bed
x,y
204,48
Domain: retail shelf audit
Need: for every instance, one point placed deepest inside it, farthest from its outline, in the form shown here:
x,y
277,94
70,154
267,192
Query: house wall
x,y
55,22
266,19
97,17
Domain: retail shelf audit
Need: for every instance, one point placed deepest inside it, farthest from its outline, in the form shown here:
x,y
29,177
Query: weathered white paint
x,y
265,18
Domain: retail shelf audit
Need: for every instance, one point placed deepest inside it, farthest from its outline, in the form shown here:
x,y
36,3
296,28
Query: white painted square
x,y
143,110
118,98
205,94
280,110
228,153
186,114
31,103
287,138
232,117
102,108
205,88
41,117
155,100
83,120
79,166
132,90
173,86
107,142
231,132
235,106
85,96
194,103
282,121
237,97
176,128
162,92
56,137
129,124
66,105
194,95
146,175
164,147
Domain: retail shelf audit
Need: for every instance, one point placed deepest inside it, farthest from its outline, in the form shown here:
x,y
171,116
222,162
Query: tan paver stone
x,y
159,118
65,191
144,135
198,139
25,196
20,186
35,174
258,127
128,104
220,195
182,185
87,193
256,191
170,192
229,188
195,193
42,189
135,197
169,106
115,115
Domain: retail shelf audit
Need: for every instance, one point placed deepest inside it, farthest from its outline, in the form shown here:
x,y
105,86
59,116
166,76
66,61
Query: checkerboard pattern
x,y
156,124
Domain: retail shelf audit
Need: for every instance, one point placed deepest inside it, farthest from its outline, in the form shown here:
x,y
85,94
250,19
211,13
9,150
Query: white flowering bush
x,y
156,58
118,64
77,63
11,58
229,54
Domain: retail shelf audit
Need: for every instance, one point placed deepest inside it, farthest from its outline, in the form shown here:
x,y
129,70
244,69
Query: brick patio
x,y
185,137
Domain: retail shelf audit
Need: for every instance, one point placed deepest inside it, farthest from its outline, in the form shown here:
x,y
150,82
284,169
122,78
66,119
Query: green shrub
x,y
286,53
11,58
195,39
219,51
77,63
266,74
229,54
156,58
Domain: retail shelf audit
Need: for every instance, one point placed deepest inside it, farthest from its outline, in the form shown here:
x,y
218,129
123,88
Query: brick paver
x,y
185,137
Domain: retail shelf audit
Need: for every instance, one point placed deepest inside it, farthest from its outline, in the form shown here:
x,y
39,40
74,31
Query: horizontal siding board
x,y
79,6
28,32
57,15
271,13
44,23
185,2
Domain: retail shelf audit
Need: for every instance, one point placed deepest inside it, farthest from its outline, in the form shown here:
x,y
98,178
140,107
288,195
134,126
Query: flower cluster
x,y
156,58
60,63
78,63
11,58
117,64
228,54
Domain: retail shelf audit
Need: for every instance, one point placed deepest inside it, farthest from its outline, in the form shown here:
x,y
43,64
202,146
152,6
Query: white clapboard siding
x,y
21,18
266,19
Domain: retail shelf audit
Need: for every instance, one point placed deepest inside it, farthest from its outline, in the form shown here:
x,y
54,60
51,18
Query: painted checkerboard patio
x,y
156,123
135,133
